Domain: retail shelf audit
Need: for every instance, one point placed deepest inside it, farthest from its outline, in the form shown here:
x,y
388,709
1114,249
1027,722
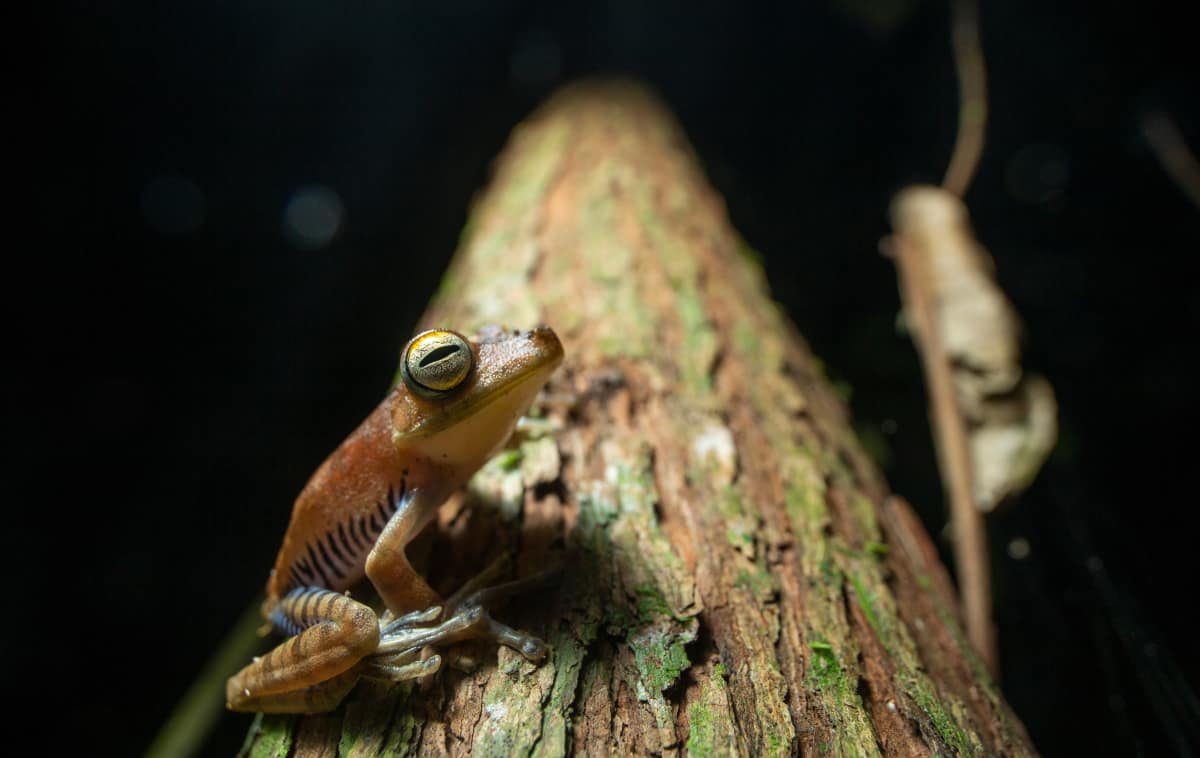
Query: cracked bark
x,y
737,577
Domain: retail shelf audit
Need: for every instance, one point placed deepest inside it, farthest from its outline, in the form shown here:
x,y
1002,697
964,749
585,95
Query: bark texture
x,y
737,578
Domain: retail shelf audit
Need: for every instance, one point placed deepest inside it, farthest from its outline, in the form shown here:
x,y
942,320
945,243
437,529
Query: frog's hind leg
x,y
313,670
317,698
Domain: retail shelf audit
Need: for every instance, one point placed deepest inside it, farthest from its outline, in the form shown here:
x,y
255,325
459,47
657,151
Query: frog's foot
x,y
473,611
467,615
401,667
390,623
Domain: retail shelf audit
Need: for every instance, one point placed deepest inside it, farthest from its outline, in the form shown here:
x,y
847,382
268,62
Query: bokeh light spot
x,y
312,217
1019,548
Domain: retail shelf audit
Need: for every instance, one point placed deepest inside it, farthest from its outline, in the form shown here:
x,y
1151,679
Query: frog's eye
x,y
436,361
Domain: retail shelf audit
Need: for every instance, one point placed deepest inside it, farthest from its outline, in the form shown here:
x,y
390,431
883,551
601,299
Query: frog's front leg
x,y
403,591
400,587
313,670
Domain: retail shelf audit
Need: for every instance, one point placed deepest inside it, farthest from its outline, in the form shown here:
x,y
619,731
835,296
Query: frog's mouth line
x,y
470,406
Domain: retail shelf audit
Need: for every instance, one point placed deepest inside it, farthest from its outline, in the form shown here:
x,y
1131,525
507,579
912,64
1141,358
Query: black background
x,y
174,386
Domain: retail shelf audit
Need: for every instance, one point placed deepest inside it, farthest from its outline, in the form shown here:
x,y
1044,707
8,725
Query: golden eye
x,y
436,361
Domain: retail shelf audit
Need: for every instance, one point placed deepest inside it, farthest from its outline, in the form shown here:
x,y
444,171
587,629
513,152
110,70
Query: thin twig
x,y
970,535
1172,152
972,88
970,538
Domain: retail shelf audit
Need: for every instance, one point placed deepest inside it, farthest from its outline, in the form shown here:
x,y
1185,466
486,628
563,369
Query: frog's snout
x,y
546,341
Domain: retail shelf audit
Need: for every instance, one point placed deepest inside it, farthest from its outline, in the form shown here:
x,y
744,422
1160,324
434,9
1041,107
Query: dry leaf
x,y
1011,417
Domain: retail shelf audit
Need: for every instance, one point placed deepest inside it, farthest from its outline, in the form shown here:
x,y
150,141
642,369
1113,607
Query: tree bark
x,y
737,578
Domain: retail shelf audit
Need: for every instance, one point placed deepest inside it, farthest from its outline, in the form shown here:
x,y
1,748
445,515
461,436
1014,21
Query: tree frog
x,y
456,404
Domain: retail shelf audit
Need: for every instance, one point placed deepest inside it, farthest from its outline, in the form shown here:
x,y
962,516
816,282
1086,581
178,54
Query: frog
x,y
455,404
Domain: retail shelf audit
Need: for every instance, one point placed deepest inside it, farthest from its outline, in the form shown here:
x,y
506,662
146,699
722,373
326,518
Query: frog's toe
x,y
533,649
401,668
391,626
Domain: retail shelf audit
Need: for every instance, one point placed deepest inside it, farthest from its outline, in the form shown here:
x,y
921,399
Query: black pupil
x,y
437,354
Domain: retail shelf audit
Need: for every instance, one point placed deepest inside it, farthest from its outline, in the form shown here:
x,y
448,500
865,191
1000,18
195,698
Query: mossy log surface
x,y
737,578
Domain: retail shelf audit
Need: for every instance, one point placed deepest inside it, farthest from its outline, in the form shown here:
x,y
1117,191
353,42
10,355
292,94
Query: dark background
x,y
181,364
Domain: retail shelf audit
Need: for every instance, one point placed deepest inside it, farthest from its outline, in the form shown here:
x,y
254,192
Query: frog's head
x,y
459,398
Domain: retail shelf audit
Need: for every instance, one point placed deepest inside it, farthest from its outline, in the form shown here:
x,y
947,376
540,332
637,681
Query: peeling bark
x,y
736,576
